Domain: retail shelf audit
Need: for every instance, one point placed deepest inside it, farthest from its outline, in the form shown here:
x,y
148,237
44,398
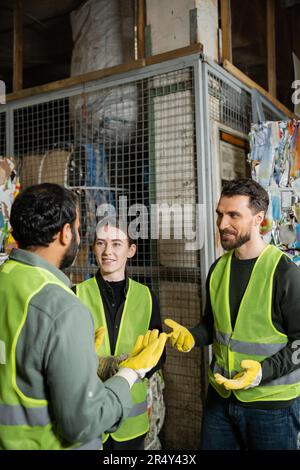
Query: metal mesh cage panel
x,y
229,104
131,146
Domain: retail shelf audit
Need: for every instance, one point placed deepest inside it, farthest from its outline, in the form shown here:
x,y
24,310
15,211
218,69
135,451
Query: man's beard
x,y
71,252
235,242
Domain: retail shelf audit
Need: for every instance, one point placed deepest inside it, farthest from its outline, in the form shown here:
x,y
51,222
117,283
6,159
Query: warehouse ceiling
x,y
47,40
249,42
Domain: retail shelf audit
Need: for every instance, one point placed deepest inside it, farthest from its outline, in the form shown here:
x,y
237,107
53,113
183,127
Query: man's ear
x,y
259,217
65,234
131,251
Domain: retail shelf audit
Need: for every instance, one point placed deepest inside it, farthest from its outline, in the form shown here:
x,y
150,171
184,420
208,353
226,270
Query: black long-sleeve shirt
x,y
285,315
113,296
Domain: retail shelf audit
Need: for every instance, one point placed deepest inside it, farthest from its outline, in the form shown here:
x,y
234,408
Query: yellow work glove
x,y
99,337
144,357
249,378
180,337
144,340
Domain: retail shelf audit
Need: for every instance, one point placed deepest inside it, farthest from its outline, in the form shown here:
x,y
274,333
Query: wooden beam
x,y
251,84
141,24
77,80
98,74
18,46
234,140
194,29
181,52
226,30
271,47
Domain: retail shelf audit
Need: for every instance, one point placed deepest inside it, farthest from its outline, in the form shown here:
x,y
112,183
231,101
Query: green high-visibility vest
x,y
254,335
135,321
25,422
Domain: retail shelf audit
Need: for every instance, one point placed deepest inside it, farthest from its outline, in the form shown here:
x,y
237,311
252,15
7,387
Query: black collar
x,y
104,285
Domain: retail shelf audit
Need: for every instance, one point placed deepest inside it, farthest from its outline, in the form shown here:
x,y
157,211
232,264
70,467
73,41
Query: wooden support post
x,y
18,46
194,29
226,30
271,47
141,23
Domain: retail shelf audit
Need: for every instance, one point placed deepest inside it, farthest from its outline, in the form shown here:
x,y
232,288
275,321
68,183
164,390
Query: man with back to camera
x,y
50,394
252,320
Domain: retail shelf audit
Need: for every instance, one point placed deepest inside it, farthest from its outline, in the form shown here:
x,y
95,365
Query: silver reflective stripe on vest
x,y
220,370
222,338
96,444
292,378
216,369
16,415
138,409
257,349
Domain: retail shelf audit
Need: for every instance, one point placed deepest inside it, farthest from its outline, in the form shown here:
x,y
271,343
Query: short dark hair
x,y
40,212
258,196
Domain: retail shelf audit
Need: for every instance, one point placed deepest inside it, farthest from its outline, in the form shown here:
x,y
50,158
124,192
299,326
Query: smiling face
x,y
236,221
111,250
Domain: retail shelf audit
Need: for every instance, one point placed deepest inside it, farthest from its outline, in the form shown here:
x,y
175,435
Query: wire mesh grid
x,y
128,145
2,133
271,115
132,147
231,104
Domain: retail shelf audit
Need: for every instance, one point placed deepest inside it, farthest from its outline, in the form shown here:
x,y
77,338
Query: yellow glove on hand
x,y
180,337
249,378
99,337
144,340
146,352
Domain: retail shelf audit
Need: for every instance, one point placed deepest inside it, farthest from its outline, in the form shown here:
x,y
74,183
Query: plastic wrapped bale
x,y
156,410
98,34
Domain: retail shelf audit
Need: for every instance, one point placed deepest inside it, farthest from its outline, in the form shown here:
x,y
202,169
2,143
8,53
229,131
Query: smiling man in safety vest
x,y
252,320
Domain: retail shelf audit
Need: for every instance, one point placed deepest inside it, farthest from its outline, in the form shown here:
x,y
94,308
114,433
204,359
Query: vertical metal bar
x,y
204,170
10,131
205,186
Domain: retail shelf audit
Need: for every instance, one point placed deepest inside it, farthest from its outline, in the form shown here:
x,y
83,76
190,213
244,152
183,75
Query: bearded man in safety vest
x,y
252,320
50,395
